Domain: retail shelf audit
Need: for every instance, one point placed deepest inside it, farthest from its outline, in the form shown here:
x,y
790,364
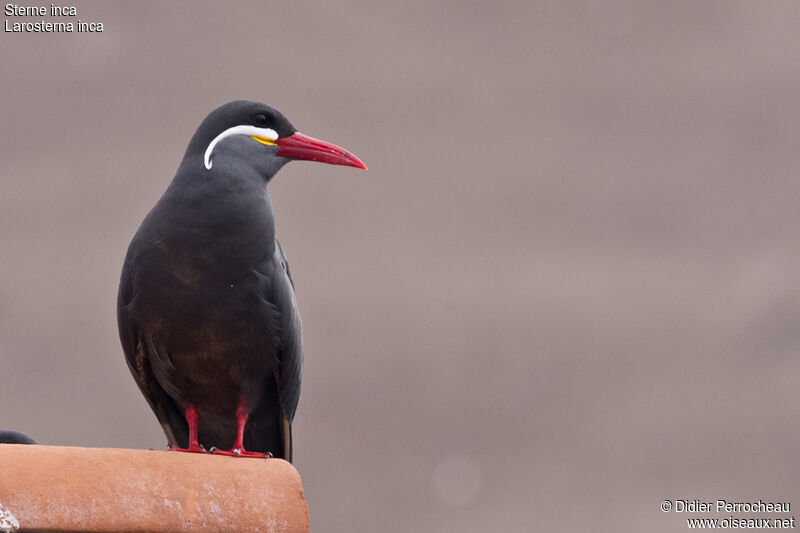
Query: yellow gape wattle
x,y
263,140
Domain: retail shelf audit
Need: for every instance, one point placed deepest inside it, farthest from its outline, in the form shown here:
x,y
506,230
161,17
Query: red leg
x,y
194,445
238,446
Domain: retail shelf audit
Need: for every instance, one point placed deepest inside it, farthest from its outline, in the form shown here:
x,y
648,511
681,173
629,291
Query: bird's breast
x,y
205,291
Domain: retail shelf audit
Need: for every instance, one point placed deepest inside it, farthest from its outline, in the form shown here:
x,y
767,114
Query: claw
x,y
238,452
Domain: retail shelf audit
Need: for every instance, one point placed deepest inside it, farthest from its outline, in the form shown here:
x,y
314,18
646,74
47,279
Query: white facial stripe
x,y
237,130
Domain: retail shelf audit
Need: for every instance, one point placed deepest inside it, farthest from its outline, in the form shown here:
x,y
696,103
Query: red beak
x,y
299,146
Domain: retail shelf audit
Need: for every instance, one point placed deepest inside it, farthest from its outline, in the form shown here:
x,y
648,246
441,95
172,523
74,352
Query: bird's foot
x,y
193,448
241,452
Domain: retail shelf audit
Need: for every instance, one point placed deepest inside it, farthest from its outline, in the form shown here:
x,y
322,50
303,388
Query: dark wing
x,y
138,350
290,347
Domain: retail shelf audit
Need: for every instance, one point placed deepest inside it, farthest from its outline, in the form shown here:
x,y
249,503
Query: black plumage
x,y
15,437
206,308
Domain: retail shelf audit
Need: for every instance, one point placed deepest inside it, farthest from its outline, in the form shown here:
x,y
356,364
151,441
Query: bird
x,y
206,309
8,436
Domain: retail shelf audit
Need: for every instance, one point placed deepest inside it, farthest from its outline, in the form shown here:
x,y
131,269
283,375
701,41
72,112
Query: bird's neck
x,y
225,209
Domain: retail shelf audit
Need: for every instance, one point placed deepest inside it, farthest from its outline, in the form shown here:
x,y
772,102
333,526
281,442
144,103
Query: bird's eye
x,y
260,119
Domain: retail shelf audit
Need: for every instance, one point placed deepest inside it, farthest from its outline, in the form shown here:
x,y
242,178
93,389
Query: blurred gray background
x,y
567,288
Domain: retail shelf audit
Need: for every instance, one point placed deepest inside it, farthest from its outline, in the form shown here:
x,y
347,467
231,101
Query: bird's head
x,y
252,133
